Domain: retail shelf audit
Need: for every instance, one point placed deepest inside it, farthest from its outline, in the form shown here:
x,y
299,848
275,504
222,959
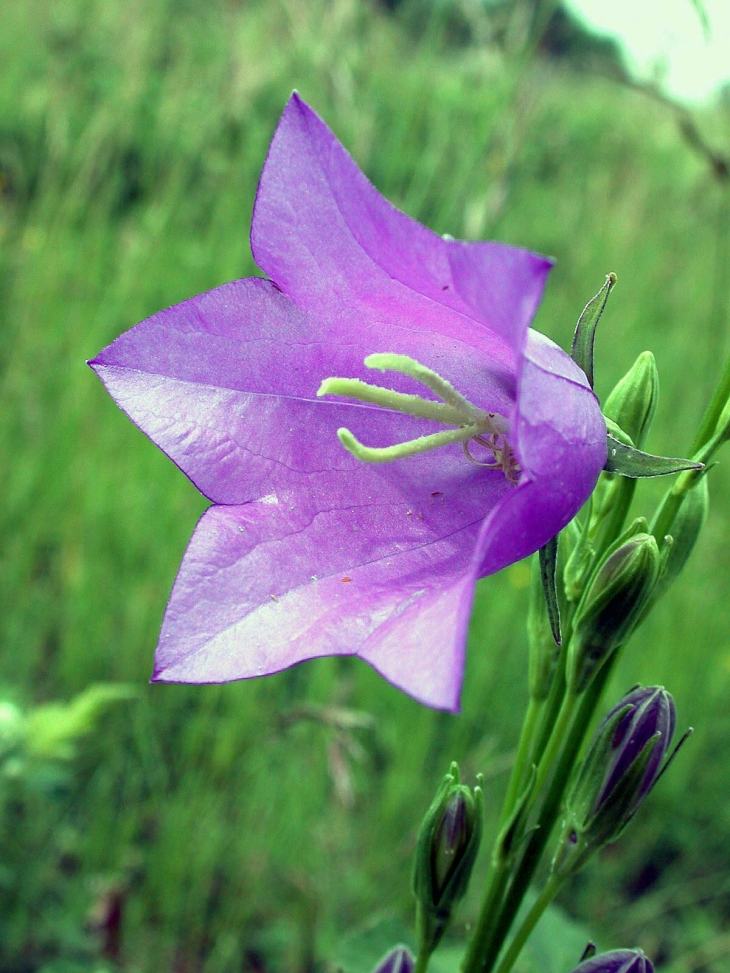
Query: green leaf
x,y
548,564
629,461
585,331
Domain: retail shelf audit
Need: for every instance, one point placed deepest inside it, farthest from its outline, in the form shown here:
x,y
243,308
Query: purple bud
x,y
623,762
448,842
398,960
617,961
649,711
452,837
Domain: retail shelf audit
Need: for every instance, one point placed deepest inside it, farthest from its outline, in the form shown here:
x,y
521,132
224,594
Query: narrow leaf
x,y
629,461
548,563
585,331
701,12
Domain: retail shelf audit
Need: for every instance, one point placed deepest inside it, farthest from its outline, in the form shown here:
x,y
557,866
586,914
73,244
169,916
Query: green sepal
x,y
584,338
544,653
634,463
578,567
548,556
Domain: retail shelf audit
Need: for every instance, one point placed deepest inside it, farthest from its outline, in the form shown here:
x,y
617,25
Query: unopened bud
x,y
617,961
633,401
611,607
447,848
398,960
623,762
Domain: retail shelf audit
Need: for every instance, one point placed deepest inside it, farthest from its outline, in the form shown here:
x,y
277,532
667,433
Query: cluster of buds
x,y
447,848
623,762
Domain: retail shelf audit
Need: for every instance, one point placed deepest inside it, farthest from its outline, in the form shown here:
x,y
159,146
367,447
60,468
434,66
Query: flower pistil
x,y
488,430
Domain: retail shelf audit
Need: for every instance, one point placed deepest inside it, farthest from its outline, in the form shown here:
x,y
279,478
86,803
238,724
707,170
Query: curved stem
x,y
531,919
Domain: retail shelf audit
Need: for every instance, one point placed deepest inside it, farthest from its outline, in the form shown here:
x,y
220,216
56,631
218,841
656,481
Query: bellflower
x,y
307,550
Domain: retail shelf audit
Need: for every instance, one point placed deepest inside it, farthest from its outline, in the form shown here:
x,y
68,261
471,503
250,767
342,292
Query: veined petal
x,y
560,433
225,384
324,233
315,553
266,585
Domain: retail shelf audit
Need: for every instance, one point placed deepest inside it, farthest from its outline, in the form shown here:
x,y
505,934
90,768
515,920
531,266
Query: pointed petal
x,y
225,384
265,585
320,229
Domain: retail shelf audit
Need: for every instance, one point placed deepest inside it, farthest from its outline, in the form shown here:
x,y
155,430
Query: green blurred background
x,y
250,827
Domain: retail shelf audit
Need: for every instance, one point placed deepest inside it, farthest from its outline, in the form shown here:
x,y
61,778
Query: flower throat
x,y
483,435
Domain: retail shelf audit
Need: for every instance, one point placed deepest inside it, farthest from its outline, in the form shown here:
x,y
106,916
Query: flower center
x,y
474,427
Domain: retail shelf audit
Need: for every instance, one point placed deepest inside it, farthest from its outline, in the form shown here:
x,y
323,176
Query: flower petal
x,y
225,384
265,585
323,232
560,439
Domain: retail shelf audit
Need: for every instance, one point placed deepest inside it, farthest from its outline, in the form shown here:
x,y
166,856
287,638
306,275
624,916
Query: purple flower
x,y
617,961
307,551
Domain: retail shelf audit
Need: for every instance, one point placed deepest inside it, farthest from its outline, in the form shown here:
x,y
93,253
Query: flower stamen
x,y
487,429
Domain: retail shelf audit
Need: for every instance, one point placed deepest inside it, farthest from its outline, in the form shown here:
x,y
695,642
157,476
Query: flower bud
x,y
611,607
398,960
633,401
447,848
617,961
623,762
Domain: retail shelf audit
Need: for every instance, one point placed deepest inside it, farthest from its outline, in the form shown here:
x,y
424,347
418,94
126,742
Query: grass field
x,y
250,826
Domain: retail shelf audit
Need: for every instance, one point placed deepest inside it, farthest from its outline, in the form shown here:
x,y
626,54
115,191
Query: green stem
x,y
489,915
422,961
531,919
552,709
479,945
499,873
670,504
555,742
713,410
549,812
524,749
